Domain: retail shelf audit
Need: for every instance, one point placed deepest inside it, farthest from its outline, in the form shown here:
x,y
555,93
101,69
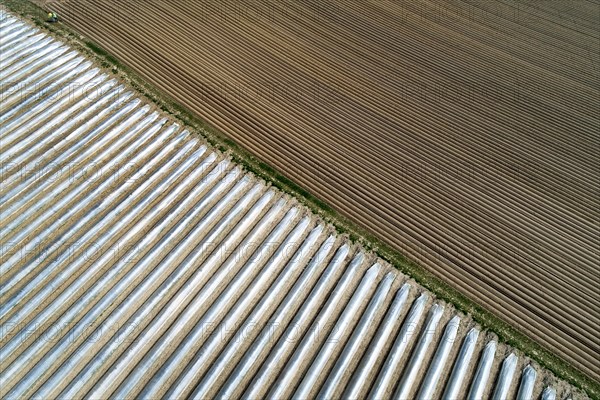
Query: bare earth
x,y
464,134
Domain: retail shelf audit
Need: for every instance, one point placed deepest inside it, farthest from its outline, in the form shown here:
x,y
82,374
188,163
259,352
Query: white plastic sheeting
x,y
138,262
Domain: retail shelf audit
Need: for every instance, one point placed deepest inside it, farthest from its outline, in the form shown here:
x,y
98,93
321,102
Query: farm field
x,y
464,134
140,262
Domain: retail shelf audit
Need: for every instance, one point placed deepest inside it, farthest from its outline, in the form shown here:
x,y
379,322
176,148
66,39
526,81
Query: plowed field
x,y
464,134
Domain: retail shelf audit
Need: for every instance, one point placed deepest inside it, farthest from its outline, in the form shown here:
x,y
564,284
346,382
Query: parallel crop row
x,y
463,133
137,262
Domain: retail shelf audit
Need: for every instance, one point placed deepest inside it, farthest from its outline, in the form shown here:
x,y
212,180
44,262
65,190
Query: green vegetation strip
x,y
506,333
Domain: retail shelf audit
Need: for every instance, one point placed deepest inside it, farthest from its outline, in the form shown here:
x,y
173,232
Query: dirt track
x,y
464,134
